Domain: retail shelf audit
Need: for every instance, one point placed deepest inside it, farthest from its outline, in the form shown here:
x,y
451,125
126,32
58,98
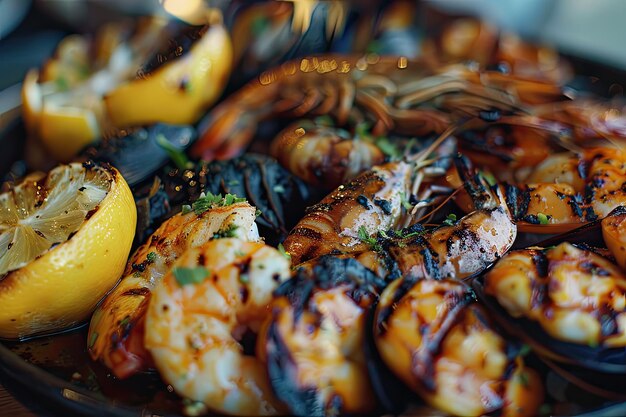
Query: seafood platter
x,y
269,211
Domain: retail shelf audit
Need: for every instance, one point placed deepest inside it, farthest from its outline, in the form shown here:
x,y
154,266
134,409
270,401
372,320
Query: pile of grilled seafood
x,y
359,234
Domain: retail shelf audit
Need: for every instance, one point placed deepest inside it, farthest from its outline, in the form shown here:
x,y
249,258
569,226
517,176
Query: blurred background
x,y
591,29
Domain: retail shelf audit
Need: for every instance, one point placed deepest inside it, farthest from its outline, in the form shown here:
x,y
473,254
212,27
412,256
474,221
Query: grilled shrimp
x,y
566,189
466,247
378,199
575,295
574,189
437,339
399,95
117,326
314,340
199,313
372,201
323,155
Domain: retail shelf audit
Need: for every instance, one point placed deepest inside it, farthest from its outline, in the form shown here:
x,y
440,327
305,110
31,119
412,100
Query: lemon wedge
x,y
64,122
64,241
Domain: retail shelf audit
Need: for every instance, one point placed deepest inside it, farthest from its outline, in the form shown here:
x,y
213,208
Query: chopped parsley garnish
x,y
366,238
257,213
405,201
228,232
283,252
361,130
151,257
523,378
450,219
543,219
186,209
175,154
524,350
489,177
324,120
208,201
186,276
388,148
92,339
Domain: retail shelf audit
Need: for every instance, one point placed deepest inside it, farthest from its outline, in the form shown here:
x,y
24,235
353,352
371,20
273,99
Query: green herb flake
x,y
362,130
257,213
324,120
186,209
366,238
186,276
524,350
125,321
92,339
230,231
450,219
388,148
489,177
543,219
405,202
208,201
175,154
151,257
62,83
283,252
523,379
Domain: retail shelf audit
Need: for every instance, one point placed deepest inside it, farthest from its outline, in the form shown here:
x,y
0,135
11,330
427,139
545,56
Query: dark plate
x,y
56,373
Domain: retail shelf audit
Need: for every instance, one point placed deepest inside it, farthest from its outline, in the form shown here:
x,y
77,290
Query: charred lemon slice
x,y
179,92
64,122
64,241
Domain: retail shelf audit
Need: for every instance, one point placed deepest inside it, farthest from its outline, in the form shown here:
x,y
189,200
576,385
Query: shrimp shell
x,y
372,201
438,340
116,328
193,329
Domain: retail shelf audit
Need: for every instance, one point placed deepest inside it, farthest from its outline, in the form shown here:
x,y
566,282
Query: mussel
x,y
566,298
440,342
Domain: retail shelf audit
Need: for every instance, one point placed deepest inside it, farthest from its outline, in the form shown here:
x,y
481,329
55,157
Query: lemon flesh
x,y
40,213
64,241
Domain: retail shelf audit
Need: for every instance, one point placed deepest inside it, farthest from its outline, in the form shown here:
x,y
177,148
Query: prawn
x,y
466,247
378,199
314,339
199,313
322,155
435,337
401,96
117,326
575,295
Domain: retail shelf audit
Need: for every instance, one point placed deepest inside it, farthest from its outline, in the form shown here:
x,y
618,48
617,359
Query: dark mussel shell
x,y
393,395
610,362
139,153
360,284
604,360
280,196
